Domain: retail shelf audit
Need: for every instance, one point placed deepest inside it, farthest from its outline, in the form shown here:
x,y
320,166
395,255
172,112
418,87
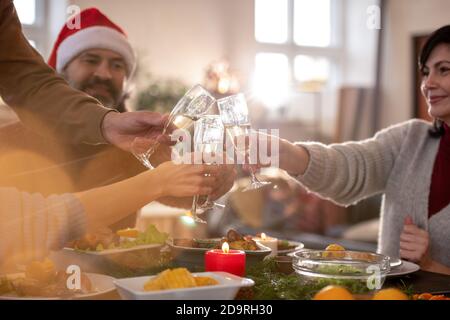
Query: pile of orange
x,y
333,293
429,296
341,293
390,294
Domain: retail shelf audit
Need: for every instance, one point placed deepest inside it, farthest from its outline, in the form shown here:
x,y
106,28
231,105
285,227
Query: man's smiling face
x,y
100,73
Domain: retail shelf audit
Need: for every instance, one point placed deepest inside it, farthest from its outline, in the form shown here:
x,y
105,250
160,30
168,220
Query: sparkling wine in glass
x,y
195,103
208,142
234,114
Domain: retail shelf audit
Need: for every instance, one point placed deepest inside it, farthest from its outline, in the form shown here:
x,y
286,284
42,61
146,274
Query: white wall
x,y
173,38
404,19
359,64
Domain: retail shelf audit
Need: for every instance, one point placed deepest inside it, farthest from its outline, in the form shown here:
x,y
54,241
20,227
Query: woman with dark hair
x,y
409,163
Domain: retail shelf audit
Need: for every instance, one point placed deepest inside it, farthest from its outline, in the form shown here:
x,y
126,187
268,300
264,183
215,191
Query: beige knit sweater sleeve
x,y
31,225
348,172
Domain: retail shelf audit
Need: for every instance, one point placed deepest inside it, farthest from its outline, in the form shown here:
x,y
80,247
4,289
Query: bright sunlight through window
x,y
271,21
271,78
26,10
307,69
312,23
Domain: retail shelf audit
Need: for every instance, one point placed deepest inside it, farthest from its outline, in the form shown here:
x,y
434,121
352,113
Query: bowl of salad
x,y
125,253
360,272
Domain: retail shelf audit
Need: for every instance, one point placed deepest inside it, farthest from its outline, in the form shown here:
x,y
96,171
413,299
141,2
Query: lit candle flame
x,y
263,236
224,85
225,247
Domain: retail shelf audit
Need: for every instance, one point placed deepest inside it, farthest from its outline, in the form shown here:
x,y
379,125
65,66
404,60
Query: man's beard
x,y
114,101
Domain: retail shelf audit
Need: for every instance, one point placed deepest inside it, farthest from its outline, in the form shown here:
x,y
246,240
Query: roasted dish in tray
x,y
41,279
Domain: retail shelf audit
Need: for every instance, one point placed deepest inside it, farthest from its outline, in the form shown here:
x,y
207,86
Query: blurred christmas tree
x,y
160,95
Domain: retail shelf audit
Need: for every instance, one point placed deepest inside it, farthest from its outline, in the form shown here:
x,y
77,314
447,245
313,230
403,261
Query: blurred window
x,y
33,16
26,9
312,23
271,89
271,21
298,42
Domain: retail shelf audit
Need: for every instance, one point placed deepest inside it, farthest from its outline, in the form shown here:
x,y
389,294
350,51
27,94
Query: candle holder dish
x,y
186,254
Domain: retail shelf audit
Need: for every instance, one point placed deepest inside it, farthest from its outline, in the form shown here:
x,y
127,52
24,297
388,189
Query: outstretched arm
x,y
31,225
48,105
347,172
41,99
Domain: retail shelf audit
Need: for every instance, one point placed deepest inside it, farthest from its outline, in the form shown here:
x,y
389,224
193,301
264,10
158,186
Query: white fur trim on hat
x,y
95,38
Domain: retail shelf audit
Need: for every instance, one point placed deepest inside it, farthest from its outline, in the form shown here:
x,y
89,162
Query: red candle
x,y
232,261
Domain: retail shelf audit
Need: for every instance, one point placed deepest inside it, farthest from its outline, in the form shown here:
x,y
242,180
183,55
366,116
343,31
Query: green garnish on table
x,y
270,284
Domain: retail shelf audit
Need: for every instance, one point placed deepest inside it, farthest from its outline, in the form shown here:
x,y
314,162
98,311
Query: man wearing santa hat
x,y
96,58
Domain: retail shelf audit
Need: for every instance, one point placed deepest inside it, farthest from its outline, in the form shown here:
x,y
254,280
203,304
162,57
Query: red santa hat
x,y
96,32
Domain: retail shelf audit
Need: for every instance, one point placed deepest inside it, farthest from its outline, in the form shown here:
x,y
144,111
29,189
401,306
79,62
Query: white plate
x,y
298,246
114,251
229,284
101,284
405,268
109,261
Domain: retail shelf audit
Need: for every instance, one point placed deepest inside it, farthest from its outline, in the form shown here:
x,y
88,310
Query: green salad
x,y
150,236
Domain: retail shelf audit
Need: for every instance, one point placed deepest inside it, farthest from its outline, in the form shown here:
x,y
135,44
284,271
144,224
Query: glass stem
x,y
253,176
194,205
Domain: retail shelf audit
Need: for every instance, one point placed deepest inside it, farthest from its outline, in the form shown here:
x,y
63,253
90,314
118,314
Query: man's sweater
x,y
41,99
398,162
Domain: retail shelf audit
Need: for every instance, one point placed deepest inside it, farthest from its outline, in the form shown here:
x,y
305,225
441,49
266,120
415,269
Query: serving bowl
x,y
287,246
194,258
226,289
360,272
119,263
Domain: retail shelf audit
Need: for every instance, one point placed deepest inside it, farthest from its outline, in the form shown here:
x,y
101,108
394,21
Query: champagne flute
x,y
234,114
208,143
195,103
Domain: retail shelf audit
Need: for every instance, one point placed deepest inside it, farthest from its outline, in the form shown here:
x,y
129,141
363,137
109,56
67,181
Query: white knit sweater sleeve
x,y
31,225
348,172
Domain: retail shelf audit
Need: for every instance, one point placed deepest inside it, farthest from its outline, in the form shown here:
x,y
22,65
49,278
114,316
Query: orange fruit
x,y
128,233
335,251
335,247
438,297
390,294
333,293
424,296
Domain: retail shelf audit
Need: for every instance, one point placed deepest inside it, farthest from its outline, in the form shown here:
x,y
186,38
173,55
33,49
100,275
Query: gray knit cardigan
x,y
398,162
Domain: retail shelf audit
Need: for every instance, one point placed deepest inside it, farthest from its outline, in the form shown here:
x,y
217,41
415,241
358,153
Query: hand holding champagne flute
x,y
234,114
195,103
